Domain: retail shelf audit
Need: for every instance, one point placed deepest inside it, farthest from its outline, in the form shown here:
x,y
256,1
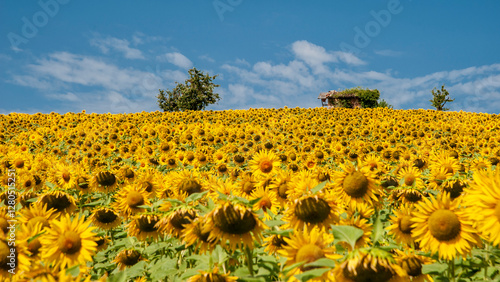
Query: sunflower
x,y
440,226
149,179
192,235
483,200
307,246
411,177
68,242
214,275
274,243
144,227
355,187
412,264
104,181
437,177
105,218
37,213
62,202
175,220
185,181
360,223
130,198
401,227
264,163
366,264
63,176
267,201
319,210
127,258
234,223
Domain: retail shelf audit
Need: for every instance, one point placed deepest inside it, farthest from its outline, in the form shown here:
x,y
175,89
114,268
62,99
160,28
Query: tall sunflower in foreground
x,y
130,198
440,226
68,242
234,223
307,246
483,199
355,187
264,163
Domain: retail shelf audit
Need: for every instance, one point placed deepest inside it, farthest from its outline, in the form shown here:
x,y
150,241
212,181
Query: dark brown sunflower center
x,y
106,178
355,184
323,176
70,243
222,168
266,166
413,196
58,202
129,173
444,225
135,199
239,159
278,241
309,253
66,176
405,224
312,210
413,266
34,247
370,273
190,186
182,217
105,216
147,224
130,257
233,221
19,163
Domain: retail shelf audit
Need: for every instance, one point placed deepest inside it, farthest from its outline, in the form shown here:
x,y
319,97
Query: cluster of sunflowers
x,y
250,195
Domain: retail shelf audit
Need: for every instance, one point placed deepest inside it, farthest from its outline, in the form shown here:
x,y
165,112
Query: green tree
x,y
440,98
195,94
383,104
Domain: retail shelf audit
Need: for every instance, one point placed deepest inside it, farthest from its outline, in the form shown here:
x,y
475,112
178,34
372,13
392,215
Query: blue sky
x,y
113,56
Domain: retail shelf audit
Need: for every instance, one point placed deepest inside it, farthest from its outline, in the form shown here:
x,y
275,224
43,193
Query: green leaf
x,y
189,273
195,196
322,262
272,223
290,267
74,270
118,277
50,184
319,187
346,233
378,229
310,274
285,232
137,269
434,268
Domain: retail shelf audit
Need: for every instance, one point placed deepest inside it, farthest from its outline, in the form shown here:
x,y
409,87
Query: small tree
x,y
440,98
195,94
383,104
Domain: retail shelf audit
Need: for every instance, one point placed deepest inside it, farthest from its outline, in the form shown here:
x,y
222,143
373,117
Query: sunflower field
x,y
285,194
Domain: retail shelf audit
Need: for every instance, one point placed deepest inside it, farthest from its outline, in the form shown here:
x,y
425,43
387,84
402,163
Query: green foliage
x,y
440,98
195,94
383,104
367,97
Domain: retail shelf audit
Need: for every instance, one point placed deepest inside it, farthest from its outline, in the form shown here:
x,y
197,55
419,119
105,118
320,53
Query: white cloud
x,y
120,45
207,58
316,56
177,59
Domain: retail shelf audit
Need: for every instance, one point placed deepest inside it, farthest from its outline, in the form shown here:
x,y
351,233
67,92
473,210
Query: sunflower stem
x,y
249,254
451,270
487,259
